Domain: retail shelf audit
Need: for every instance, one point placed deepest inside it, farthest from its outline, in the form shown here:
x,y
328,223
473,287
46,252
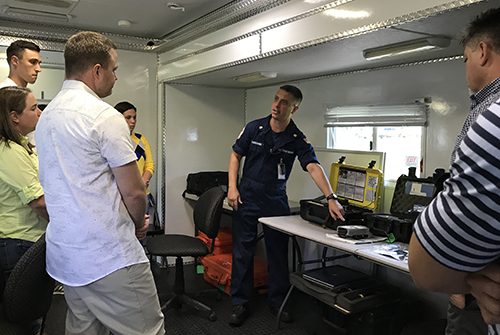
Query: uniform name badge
x,y
281,170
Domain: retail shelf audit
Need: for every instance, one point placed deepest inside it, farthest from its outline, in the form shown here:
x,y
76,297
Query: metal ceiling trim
x,y
366,70
261,30
330,75
220,18
329,38
163,153
54,37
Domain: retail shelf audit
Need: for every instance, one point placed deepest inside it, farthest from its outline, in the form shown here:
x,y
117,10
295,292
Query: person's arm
x,y
146,177
318,175
149,164
429,274
38,206
133,192
19,172
233,196
485,287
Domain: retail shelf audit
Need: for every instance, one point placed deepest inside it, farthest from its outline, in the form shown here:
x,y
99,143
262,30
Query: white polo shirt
x,y
90,233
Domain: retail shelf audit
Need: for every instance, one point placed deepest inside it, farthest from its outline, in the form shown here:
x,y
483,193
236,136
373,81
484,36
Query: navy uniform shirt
x,y
264,151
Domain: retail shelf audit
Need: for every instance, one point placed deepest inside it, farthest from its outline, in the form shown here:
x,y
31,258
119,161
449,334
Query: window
x,y
396,130
402,145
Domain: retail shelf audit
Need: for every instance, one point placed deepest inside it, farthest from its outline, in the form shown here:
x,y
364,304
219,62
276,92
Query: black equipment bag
x,y
316,211
198,183
411,196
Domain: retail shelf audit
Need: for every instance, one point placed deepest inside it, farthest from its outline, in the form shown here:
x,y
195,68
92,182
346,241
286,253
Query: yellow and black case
x,y
358,190
359,186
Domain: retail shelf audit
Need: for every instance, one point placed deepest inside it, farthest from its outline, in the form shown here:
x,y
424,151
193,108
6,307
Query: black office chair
x,y
207,215
28,293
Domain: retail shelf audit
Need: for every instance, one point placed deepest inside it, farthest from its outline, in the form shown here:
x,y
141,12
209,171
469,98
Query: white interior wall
x,y
137,84
444,82
202,124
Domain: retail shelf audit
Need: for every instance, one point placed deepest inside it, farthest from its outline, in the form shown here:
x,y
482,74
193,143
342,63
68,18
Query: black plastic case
x,y
316,211
406,205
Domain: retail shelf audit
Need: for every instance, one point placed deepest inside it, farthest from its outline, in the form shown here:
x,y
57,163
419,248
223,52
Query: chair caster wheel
x,y
212,317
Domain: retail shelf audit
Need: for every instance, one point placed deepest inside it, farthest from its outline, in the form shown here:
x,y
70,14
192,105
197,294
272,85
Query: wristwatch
x,y
332,196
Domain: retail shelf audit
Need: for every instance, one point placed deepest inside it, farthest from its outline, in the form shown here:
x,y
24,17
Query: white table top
x,y
295,225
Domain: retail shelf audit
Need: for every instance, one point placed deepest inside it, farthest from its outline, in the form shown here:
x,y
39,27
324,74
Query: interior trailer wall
x,y
137,84
201,126
443,81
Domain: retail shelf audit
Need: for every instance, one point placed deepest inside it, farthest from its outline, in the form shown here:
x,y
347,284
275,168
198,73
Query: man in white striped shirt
x,y
456,241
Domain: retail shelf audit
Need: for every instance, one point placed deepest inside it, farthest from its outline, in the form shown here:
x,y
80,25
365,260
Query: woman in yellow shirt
x,y
23,215
142,150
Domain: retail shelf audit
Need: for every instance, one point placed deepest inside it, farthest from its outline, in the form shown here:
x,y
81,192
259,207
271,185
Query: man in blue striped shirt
x,y
456,242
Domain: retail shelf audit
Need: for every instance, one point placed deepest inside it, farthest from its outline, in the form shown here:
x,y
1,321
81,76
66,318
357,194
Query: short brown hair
x,y
17,48
86,49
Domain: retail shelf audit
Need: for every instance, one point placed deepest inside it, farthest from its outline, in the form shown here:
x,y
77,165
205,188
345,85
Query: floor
x,y
188,322
308,314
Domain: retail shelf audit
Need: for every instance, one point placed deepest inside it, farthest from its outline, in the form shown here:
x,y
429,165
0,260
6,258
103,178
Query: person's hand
x,y
485,287
458,300
233,198
146,181
336,209
140,233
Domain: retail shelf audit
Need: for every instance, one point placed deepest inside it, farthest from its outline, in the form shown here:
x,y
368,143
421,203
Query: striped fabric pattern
x,y
479,102
461,227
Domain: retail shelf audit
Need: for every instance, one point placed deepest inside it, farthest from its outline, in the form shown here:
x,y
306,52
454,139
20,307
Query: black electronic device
x,y
333,276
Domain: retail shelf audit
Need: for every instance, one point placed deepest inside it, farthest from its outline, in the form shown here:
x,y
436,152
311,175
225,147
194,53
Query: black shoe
x,y
285,316
239,315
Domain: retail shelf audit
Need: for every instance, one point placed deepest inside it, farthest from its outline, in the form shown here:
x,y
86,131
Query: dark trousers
x,y
242,273
467,321
11,251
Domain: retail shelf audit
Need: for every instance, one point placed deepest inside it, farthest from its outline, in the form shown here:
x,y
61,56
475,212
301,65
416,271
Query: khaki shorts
x,y
124,302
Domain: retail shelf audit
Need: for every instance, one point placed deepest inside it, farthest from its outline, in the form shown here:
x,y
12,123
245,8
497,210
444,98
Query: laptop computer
x,y
332,276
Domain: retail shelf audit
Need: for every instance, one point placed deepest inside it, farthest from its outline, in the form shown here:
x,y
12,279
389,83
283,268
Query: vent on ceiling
x,y
66,4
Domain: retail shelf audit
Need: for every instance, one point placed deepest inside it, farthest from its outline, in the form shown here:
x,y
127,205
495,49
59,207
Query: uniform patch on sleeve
x,y
242,131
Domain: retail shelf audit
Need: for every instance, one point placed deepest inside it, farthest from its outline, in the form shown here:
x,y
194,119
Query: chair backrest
x,y
29,289
208,210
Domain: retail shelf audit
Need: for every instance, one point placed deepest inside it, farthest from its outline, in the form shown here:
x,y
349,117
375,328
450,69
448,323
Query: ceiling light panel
x,y
406,48
50,6
256,76
34,14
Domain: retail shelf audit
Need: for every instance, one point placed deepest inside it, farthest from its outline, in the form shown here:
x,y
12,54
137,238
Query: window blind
x,y
413,114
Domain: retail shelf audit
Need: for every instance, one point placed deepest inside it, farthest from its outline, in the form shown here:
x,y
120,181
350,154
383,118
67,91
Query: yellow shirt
x,y
19,185
144,155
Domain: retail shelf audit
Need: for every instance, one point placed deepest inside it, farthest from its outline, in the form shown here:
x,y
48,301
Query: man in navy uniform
x,y
270,146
